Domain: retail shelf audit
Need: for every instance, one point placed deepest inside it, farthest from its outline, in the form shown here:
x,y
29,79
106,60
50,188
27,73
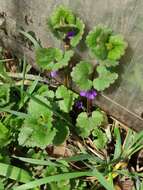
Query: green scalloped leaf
x,y
109,63
64,61
100,138
67,97
76,39
97,39
86,124
34,134
3,73
105,45
53,58
45,92
46,57
80,75
105,79
63,21
40,112
4,135
4,94
37,129
117,47
62,132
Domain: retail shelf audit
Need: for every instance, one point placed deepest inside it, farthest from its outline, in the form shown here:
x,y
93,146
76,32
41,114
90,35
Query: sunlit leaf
x,y
4,135
63,21
116,47
100,138
97,39
67,97
86,124
14,173
37,129
105,78
81,73
4,94
52,58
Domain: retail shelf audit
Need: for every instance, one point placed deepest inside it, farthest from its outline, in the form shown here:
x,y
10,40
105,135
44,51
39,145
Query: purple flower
x,y
83,93
89,94
70,34
53,73
79,105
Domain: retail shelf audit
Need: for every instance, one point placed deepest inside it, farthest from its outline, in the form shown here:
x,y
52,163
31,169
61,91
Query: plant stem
x,y
66,77
89,106
28,77
5,60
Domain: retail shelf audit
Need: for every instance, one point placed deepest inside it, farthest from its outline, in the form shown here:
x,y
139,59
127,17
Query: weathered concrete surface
x,y
125,100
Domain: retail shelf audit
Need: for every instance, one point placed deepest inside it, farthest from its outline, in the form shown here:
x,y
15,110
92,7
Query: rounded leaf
x,y
67,97
63,21
53,58
4,135
62,132
46,57
86,124
4,94
96,41
105,78
81,73
118,46
100,138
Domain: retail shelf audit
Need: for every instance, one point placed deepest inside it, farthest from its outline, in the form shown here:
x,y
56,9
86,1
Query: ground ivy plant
x,y
105,46
57,110
106,49
50,109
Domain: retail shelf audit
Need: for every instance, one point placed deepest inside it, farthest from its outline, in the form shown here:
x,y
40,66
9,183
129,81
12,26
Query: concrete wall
x,y
124,100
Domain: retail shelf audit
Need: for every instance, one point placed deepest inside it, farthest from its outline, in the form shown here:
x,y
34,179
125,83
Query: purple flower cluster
x,y
70,34
89,94
79,105
54,73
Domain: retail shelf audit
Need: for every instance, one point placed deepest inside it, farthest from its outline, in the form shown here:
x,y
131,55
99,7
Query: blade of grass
x,y
36,161
27,35
138,137
14,173
30,90
128,139
129,174
138,184
20,114
65,176
102,180
30,77
50,179
110,177
135,149
77,158
118,146
23,78
83,157
135,144
141,186
5,60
